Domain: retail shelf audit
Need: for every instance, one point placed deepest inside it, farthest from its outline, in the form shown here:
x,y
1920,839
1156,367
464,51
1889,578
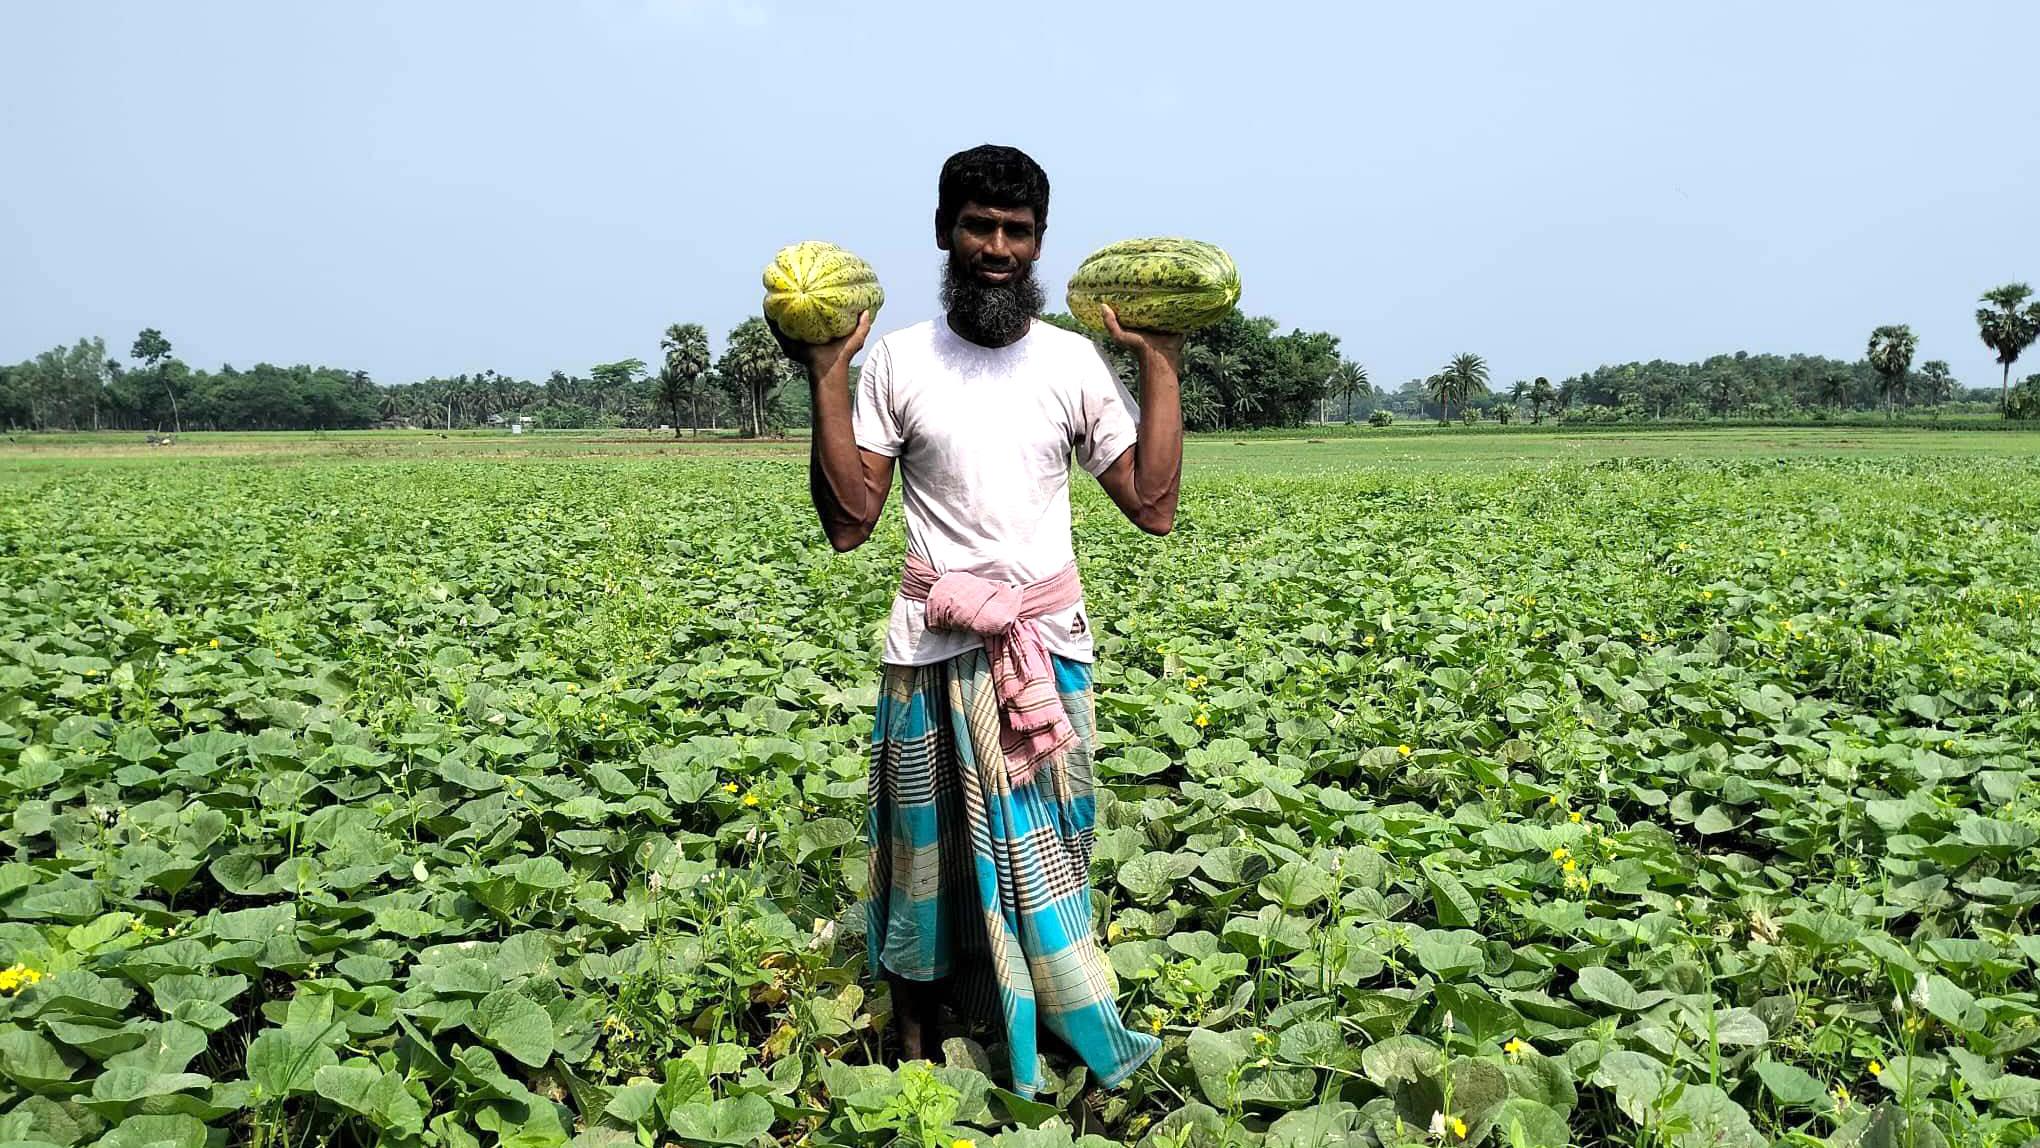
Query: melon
x,y
815,291
1155,284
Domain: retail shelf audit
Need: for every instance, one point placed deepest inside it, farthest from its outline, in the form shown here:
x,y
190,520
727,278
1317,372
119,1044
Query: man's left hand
x,y
1145,344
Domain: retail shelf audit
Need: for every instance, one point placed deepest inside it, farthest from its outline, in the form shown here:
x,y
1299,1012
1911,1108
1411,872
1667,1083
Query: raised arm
x,y
1146,478
848,484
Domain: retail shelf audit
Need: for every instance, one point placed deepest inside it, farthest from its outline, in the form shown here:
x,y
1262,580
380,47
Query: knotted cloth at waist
x,y
1032,723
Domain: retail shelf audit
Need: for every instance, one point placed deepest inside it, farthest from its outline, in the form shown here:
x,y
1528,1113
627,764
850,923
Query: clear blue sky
x,y
429,188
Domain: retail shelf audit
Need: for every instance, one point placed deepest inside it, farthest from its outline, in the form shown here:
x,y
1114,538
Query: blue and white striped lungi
x,y
972,877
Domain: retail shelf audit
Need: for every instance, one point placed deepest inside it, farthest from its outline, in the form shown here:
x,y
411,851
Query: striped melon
x,y
1156,284
814,291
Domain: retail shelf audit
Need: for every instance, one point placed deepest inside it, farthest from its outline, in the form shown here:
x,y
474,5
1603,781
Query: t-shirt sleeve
x,y
1109,420
874,422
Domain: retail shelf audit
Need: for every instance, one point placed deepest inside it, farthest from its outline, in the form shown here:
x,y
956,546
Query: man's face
x,y
988,287
995,246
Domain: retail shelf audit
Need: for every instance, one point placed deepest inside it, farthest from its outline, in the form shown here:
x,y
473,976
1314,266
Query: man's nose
x,y
997,247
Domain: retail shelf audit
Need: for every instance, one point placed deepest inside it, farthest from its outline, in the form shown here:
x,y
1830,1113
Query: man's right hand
x,y
821,359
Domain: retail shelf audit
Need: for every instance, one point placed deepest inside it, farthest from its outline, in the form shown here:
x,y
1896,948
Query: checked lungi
x,y
973,877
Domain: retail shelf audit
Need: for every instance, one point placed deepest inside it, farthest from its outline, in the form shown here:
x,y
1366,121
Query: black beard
x,y
991,314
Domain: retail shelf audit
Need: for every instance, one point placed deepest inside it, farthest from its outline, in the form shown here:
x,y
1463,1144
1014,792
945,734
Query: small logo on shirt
x,y
1078,626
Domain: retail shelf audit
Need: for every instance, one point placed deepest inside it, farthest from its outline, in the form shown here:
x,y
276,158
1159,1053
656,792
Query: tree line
x,y
1240,373
1748,386
85,387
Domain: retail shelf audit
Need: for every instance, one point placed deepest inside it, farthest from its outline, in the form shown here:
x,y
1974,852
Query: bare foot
x,y
917,1018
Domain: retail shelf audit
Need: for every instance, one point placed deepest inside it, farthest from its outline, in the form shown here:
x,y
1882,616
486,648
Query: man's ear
x,y
941,233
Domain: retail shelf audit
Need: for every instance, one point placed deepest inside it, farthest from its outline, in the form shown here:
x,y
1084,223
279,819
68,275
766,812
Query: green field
x,y
1307,450
1674,788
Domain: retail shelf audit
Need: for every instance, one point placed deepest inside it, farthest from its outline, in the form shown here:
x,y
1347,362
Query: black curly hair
x,y
993,176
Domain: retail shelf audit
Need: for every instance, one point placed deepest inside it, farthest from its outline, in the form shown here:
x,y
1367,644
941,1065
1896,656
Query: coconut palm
x,y
1541,398
1891,355
503,394
435,396
2008,325
484,396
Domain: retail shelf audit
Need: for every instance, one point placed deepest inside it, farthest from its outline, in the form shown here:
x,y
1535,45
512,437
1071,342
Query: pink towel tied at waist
x,y
1032,723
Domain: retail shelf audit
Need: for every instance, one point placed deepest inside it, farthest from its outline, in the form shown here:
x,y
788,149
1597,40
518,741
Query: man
x,y
981,802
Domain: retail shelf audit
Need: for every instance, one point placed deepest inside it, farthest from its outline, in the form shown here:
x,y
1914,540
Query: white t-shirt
x,y
984,437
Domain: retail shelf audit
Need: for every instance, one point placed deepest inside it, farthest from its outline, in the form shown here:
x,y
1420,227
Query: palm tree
x,y
1197,363
2008,326
686,347
483,396
1225,370
1937,382
754,366
1562,398
1541,396
1439,389
1245,402
1349,378
441,393
1891,354
1201,410
1464,375
1833,388
1229,371
503,394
